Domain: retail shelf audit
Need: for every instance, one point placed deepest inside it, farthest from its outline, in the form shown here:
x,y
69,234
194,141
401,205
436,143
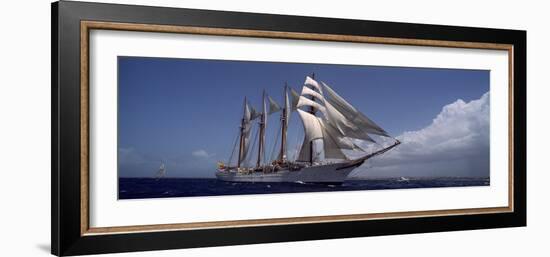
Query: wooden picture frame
x,y
71,232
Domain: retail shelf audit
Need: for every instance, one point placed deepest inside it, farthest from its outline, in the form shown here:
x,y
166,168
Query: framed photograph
x,y
178,128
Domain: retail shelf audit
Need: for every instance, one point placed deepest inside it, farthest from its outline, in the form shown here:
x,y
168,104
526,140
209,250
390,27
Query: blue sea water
x,y
141,188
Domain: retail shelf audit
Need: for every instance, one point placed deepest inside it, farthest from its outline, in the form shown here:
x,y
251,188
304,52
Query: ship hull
x,y
327,174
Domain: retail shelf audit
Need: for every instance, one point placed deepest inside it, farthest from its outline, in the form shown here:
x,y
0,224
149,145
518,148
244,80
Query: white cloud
x,y
456,143
129,155
201,154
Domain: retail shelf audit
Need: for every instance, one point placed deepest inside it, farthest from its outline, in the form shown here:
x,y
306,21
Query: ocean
x,y
142,188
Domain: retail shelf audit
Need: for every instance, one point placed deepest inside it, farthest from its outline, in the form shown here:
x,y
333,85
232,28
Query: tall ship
x,y
333,131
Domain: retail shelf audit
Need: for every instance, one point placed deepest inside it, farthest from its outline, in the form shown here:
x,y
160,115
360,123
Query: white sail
x,y
340,121
246,141
332,143
331,114
312,131
253,113
345,126
287,121
340,140
306,150
264,109
306,91
331,127
295,99
261,134
287,107
248,116
350,113
161,172
312,127
273,106
304,101
248,112
313,84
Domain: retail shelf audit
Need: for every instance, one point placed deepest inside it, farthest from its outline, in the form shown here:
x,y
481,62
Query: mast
x,y
284,124
262,132
312,111
241,140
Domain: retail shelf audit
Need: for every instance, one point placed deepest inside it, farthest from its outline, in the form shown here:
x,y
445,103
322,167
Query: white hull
x,y
330,173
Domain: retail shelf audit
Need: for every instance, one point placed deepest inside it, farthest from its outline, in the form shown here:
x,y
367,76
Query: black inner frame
x,y
65,84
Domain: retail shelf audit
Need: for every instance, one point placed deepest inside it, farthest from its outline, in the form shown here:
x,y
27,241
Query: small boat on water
x,y
161,173
331,126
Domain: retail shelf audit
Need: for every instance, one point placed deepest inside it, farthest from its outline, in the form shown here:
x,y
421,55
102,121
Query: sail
x,y
332,115
161,172
305,152
339,124
253,113
287,108
331,144
345,126
304,101
273,106
313,84
295,98
339,139
248,112
286,120
350,113
264,110
246,141
261,134
306,91
330,124
312,127
312,131
246,127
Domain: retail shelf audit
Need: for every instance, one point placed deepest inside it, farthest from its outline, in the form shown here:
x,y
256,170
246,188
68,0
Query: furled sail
x,y
350,113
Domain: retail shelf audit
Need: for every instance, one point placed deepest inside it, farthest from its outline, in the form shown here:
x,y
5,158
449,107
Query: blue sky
x,y
186,112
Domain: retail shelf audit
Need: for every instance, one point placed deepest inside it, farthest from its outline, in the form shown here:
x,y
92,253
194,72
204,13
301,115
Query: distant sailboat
x,y
161,172
330,124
